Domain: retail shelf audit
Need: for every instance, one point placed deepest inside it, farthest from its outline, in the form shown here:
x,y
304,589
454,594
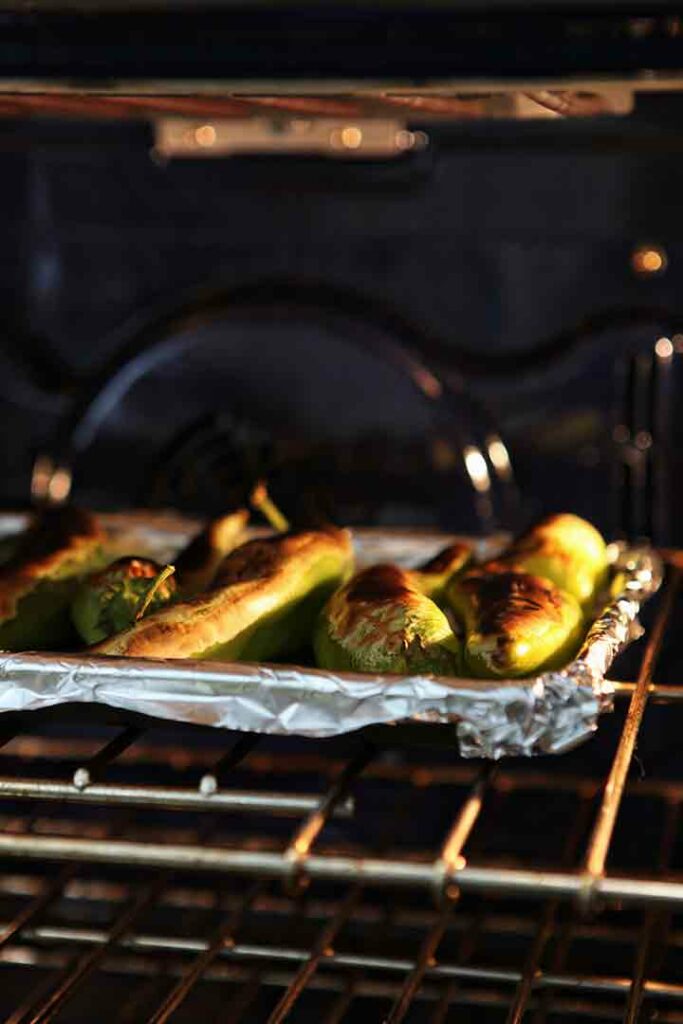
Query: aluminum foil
x,y
491,719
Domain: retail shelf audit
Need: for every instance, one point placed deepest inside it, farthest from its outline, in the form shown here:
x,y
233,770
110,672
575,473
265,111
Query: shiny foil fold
x,y
491,719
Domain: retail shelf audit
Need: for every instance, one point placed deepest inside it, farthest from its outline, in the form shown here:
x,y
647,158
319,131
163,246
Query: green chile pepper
x,y
111,600
381,621
197,564
263,604
433,577
564,549
514,624
38,580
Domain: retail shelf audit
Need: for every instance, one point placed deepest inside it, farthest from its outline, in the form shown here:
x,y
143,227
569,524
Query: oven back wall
x,y
508,247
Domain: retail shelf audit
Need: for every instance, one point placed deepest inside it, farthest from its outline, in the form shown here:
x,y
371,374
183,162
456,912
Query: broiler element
x,y
38,581
264,603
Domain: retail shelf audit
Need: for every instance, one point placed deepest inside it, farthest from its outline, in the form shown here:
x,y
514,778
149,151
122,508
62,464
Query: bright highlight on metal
x,y
664,348
649,259
205,135
477,470
500,457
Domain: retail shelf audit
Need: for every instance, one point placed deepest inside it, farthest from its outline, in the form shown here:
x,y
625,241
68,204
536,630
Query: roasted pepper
x,y
433,577
381,621
111,600
263,604
514,624
198,563
564,549
38,581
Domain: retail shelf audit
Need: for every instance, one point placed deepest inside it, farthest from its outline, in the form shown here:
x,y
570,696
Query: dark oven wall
x,y
350,329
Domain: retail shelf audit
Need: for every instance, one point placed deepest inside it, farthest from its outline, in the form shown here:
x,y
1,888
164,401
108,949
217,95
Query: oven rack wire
x,y
53,856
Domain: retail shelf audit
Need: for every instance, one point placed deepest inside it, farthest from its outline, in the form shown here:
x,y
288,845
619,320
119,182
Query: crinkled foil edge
x,y
491,719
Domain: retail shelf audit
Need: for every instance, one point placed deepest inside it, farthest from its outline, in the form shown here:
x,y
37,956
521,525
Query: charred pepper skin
x,y
381,621
197,564
514,624
433,577
109,601
38,580
264,603
564,549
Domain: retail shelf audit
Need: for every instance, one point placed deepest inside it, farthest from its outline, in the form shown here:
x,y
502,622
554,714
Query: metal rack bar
x,y
306,834
87,773
502,881
296,853
548,916
44,1010
342,1003
599,842
301,843
470,935
449,860
658,693
656,922
213,779
387,917
561,951
224,936
468,944
448,773
253,954
181,900
321,948
48,893
168,797
425,957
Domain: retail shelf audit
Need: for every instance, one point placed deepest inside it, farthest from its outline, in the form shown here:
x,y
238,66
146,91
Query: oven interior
x,y
377,289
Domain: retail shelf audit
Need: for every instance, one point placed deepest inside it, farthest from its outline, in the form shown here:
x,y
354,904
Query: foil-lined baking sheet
x,y
491,719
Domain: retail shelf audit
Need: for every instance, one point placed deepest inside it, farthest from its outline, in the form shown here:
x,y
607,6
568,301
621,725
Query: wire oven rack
x,y
252,880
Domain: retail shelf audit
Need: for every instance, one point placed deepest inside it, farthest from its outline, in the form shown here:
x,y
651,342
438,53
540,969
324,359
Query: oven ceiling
x,y
392,60
424,50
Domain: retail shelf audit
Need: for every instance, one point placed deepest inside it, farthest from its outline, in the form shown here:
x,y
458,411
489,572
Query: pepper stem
x,y
263,503
167,571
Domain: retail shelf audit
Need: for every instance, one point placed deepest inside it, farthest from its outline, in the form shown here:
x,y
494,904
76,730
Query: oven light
x,y
477,470
500,457
643,440
427,383
205,136
349,137
664,348
50,482
648,259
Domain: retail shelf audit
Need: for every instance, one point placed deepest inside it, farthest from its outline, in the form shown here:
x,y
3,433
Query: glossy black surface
x,y
500,256
414,41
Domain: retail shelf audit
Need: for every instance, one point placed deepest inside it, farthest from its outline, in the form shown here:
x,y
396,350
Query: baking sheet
x,y
491,719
